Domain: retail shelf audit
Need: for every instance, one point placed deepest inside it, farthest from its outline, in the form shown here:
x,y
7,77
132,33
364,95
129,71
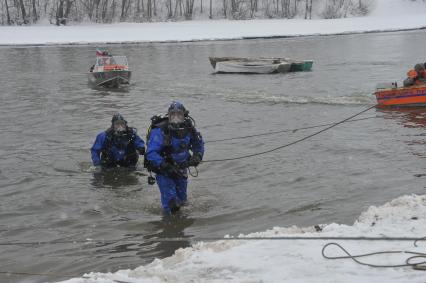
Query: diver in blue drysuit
x,y
118,146
168,155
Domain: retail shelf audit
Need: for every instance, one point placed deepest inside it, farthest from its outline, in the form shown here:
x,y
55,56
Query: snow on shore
x,y
388,15
294,260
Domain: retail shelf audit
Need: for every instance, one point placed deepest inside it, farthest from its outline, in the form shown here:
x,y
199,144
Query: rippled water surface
x,y
49,118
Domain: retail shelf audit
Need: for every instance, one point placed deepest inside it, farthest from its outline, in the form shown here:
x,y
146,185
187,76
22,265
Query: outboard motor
x,y
386,85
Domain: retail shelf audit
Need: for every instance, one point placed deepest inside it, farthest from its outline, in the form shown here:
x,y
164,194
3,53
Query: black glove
x,y
194,160
141,151
169,169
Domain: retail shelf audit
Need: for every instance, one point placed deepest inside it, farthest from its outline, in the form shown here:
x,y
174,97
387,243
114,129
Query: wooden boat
x,y
258,65
391,95
254,67
109,71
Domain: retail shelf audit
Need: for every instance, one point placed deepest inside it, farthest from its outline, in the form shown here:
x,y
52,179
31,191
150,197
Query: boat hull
x,y
110,79
250,67
414,96
261,65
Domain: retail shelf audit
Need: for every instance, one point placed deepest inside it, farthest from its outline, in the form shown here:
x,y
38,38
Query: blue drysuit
x,y
110,150
172,188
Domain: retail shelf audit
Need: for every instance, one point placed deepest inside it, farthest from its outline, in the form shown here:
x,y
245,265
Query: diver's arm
x,y
155,147
97,148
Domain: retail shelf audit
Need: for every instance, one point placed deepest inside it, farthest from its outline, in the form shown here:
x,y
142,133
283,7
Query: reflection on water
x,y
168,227
106,91
115,177
152,246
408,117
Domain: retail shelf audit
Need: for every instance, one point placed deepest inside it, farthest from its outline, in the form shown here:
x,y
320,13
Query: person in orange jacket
x,y
416,76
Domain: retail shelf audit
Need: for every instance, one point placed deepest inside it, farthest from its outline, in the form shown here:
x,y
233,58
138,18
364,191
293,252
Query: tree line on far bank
x,y
64,12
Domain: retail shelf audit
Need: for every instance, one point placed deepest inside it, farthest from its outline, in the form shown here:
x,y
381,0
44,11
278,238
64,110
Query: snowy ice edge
x,y
244,261
89,43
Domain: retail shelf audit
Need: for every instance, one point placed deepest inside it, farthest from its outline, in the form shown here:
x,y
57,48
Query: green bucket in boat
x,y
307,65
300,66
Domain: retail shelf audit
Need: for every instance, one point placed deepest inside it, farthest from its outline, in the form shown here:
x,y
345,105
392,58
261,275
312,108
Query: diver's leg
x,y
181,188
167,188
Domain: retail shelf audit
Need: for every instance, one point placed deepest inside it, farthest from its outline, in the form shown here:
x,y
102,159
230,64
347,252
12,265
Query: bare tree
x,y
35,17
308,9
253,7
139,10
142,8
277,7
113,7
68,7
107,11
89,6
123,9
189,9
296,6
104,12
9,22
178,5
125,5
60,13
169,9
23,13
234,7
155,7
149,10
285,8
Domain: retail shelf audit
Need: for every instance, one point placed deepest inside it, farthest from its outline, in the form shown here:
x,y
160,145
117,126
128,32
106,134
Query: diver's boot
x,y
174,207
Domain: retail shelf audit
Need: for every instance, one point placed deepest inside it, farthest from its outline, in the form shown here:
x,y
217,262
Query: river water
x,y
49,118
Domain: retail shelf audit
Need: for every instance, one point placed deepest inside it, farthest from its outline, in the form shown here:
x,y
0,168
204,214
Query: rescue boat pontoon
x,y
391,95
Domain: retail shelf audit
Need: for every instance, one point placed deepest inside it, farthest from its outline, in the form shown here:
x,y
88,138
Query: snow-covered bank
x,y
389,15
294,260
200,30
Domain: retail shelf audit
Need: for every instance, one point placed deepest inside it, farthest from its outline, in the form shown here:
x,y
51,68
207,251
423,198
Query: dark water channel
x,y
49,119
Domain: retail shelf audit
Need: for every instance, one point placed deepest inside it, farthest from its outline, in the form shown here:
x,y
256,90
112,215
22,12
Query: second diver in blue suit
x,y
173,144
118,146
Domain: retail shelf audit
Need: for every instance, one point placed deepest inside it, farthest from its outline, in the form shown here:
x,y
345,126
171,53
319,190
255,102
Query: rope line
x,y
291,143
419,239
421,265
40,274
409,261
206,239
54,274
65,242
285,131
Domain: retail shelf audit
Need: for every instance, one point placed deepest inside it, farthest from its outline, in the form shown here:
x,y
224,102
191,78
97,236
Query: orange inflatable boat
x,y
401,96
